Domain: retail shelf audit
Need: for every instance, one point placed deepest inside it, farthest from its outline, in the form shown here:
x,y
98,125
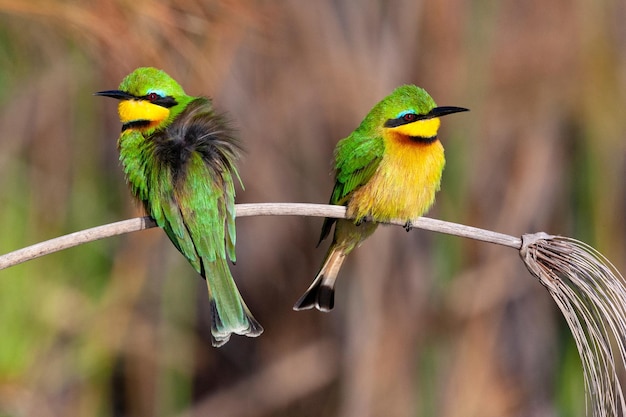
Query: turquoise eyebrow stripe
x,y
159,92
403,112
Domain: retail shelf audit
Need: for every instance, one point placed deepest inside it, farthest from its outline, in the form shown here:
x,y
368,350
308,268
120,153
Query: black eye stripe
x,y
404,120
166,102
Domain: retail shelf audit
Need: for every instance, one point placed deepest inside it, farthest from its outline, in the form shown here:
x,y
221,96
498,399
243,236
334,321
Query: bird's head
x,y
149,99
410,112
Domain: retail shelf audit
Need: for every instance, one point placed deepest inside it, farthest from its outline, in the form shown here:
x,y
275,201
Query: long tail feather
x,y
321,293
229,313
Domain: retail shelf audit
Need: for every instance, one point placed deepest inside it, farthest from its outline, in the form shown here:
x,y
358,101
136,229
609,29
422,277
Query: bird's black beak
x,y
442,111
116,94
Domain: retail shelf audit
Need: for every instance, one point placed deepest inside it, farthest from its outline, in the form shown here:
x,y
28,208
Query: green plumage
x,y
388,168
182,168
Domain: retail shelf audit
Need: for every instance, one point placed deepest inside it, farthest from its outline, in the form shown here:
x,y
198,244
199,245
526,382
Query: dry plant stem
x,y
245,210
591,294
589,290
74,239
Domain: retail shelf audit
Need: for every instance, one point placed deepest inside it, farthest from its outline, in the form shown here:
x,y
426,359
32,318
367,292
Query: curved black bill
x,y
442,111
117,94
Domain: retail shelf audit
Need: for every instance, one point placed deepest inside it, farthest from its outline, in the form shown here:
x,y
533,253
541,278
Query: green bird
x,y
389,168
179,156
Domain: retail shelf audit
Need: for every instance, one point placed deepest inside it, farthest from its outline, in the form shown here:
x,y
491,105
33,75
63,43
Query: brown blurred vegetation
x,y
424,325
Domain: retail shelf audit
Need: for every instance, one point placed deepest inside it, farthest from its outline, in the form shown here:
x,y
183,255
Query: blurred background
x,y
424,324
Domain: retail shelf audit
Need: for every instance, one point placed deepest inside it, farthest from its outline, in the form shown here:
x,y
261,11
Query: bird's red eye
x,y
152,96
409,117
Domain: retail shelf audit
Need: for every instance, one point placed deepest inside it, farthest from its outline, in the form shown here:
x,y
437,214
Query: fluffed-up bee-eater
x,y
179,157
389,168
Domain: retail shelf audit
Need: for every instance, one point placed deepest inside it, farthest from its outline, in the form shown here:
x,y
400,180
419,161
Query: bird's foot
x,y
408,226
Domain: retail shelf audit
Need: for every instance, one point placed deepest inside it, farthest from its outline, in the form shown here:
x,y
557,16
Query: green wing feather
x,y
202,199
197,212
198,216
356,159
207,200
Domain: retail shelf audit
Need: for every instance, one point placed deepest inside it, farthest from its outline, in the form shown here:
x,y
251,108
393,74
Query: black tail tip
x,y
325,298
220,333
321,297
255,328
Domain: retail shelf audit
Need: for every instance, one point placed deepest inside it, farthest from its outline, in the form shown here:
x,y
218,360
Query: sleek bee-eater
x,y
178,155
389,168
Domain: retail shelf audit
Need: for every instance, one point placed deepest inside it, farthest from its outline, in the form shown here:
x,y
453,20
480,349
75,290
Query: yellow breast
x,y
404,185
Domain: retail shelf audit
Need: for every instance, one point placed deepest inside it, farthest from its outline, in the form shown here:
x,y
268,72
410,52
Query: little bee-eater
x,y
178,155
389,168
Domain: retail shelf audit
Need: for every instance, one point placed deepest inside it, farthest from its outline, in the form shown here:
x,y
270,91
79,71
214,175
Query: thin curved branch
x,y
587,288
244,210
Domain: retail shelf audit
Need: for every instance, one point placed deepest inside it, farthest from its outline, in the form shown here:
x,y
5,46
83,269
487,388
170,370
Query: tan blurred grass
x,y
424,325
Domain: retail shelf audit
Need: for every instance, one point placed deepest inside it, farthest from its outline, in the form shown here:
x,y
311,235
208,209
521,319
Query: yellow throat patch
x,y
422,128
133,110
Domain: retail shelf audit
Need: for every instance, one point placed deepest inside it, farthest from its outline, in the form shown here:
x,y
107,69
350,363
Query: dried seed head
x,y
591,295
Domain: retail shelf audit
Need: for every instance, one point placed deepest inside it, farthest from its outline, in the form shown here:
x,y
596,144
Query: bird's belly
x,y
403,187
